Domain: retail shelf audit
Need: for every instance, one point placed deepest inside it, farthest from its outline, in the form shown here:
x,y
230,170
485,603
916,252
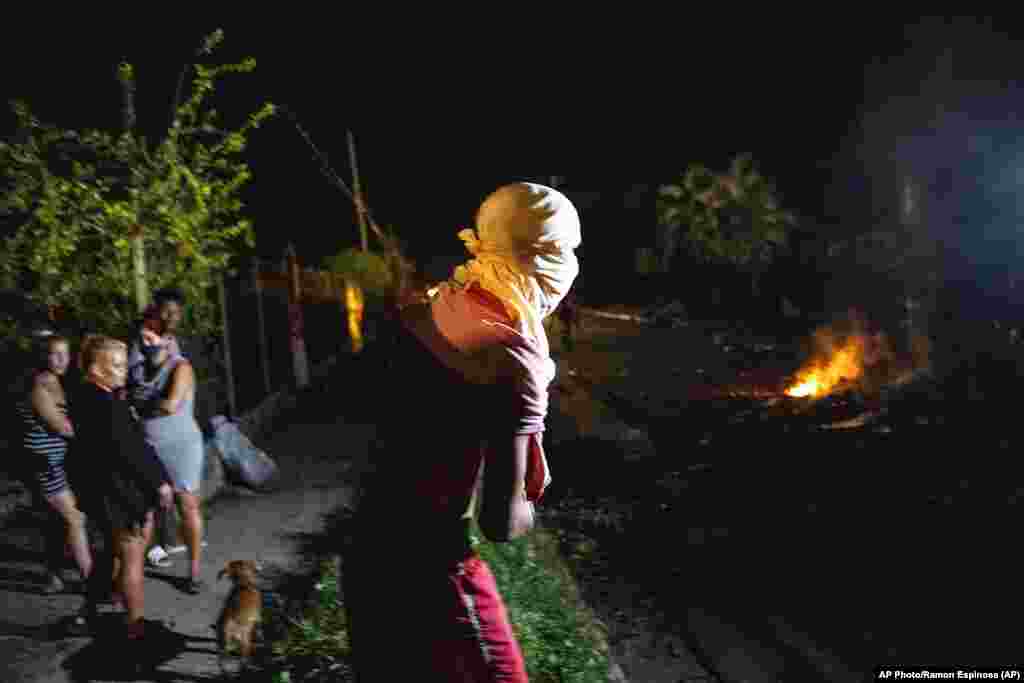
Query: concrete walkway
x,y
314,458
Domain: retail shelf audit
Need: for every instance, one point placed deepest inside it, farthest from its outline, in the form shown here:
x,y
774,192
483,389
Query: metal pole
x,y
261,324
226,336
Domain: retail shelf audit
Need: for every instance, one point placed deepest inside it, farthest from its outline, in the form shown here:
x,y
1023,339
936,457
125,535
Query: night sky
x,y
442,121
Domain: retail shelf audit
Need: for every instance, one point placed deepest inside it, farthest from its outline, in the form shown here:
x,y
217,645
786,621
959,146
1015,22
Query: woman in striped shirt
x,y
45,429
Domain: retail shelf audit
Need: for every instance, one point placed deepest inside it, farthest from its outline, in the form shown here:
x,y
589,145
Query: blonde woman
x,y
119,480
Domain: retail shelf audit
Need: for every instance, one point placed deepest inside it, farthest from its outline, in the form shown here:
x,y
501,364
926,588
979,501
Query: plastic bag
x,y
243,462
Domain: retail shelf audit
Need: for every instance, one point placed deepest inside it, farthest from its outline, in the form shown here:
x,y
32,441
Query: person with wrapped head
x,y
463,437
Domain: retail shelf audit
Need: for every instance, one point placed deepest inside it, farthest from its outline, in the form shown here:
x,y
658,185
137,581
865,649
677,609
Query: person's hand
x,y
166,496
165,407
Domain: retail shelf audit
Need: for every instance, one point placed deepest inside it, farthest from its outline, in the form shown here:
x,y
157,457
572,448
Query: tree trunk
x,y
138,243
139,271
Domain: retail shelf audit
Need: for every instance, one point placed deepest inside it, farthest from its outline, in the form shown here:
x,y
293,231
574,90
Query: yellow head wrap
x,y
522,251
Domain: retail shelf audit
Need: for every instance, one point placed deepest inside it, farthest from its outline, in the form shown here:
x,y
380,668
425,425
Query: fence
x,y
282,320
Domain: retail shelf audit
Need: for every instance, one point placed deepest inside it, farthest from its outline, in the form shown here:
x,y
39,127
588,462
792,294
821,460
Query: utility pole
x,y
358,192
226,338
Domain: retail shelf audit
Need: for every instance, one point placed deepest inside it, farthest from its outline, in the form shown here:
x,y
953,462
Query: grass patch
x,y
562,640
313,646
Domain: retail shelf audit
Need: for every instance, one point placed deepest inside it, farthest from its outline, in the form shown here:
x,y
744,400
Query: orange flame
x,y
844,361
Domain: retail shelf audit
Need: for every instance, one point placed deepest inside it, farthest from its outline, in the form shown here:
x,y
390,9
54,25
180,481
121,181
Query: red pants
x,y
421,625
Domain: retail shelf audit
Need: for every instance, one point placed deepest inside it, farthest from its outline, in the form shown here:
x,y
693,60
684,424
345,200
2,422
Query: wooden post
x,y
261,327
295,323
226,337
358,192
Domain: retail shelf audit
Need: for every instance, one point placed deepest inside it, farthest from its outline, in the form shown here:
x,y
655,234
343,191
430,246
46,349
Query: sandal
x,y
157,557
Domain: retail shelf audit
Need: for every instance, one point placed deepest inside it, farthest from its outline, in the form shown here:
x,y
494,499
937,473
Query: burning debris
x,y
838,362
851,355
848,379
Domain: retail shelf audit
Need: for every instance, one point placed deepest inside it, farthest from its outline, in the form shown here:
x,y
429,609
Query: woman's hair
x,y
42,343
162,296
95,344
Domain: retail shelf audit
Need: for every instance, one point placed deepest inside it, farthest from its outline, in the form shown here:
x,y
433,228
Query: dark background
x,y
834,108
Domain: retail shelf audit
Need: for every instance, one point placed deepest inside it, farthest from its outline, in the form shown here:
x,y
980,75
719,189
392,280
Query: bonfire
x,y
844,356
824,373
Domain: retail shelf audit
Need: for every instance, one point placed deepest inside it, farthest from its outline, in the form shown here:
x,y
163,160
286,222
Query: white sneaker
x,y
178,549
157,557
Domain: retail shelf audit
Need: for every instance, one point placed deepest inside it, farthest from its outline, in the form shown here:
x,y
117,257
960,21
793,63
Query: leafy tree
x,y
367,269
733,218
73,204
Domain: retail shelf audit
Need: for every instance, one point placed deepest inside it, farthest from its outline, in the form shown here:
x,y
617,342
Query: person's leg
x,y
481,647
165,531
54,537
164,538
130,547
43,485
73,531
192,522
98,583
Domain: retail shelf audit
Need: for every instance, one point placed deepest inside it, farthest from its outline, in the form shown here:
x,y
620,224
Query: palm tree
x,y
730,218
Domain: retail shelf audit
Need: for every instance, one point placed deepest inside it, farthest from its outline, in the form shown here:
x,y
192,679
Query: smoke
x,y
945,112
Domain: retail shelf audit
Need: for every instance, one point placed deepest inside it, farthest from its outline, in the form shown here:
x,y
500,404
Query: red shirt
x,y
463,374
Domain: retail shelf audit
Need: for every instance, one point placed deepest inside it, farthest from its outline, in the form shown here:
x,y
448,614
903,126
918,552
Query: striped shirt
x,y
45,446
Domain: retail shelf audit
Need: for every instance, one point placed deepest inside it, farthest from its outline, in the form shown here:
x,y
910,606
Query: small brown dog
x,y
242,609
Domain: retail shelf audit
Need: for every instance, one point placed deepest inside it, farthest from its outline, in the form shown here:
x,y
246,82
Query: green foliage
x,y
316,646
726,218
371,270
560,640
71,204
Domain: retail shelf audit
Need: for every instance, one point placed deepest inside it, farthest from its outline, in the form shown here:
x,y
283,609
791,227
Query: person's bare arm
x,y
182,381
506,514
44,402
